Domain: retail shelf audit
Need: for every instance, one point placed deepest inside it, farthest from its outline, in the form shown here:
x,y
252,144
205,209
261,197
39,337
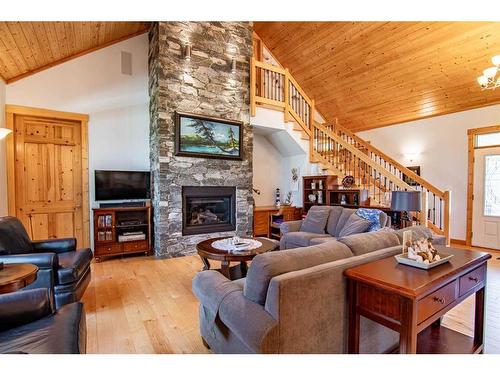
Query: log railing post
x,y
287,95
311,144
424,204
253,73
311,115
447,215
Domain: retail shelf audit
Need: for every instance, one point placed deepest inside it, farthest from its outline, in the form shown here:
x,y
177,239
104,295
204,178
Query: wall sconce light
x,y
233,65
4,132
187,51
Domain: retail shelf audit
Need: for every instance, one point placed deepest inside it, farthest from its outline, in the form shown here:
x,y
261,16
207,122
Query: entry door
x,y
486,210
48,171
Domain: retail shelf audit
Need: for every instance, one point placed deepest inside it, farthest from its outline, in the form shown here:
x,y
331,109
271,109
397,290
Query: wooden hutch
x,y
122,230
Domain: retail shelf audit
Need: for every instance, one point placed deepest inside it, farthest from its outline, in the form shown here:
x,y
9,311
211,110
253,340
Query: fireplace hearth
x,y
208,209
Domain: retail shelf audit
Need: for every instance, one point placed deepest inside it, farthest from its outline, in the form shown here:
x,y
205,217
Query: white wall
x,y
441,147
267,170
273,169
290,151
3,171
305,169
117,104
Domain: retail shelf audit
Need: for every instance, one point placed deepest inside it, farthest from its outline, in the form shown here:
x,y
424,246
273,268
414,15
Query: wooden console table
x,y
412,301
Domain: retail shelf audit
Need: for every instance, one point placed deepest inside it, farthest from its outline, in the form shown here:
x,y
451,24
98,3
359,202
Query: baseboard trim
x,y
458,242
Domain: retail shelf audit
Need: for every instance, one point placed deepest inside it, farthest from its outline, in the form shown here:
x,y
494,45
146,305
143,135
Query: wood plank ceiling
x,y
28,47
373,74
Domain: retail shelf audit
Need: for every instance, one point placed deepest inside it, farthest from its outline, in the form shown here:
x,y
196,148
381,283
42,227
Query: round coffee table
x,y
206,251
16,276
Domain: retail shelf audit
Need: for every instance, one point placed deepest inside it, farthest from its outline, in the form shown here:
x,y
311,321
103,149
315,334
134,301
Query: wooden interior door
x,y
486,203
48,177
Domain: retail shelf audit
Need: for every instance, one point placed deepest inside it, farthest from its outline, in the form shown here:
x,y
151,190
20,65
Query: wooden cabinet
x,y
262,223
122,230
261,220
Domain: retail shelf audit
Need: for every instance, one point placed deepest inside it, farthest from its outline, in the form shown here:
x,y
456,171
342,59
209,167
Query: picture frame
x,y
208,137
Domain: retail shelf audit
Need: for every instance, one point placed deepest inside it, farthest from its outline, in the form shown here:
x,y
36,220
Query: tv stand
x,y
123,204
112,226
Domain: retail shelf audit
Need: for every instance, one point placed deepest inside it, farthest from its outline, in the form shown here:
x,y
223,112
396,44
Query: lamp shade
x,y
405,201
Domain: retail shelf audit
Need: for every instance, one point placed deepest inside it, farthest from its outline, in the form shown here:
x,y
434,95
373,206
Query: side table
x,y
16,276
412,301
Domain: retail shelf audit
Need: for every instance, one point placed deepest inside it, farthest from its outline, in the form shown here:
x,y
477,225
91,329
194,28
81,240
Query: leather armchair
x,y
63,269
28,324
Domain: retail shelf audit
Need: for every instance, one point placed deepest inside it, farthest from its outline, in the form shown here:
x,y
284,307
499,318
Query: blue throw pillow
x,y
372,215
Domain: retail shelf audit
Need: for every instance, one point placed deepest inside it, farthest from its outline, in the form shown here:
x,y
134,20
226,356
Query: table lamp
x,y
405,201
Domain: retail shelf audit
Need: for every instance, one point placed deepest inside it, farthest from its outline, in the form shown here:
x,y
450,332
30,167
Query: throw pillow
x,y
372,215
354,225
315,221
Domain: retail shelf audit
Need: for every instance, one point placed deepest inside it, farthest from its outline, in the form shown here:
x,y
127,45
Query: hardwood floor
x,y
145,305
461,318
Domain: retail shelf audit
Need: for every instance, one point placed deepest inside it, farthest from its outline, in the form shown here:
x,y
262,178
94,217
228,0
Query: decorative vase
x,y
343,200
312,198
320,197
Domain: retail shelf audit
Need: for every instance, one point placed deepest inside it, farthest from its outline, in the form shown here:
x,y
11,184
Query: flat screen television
x,y
122,185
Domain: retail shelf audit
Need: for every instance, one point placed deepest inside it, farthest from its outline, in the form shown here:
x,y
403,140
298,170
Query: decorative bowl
x,y
403,259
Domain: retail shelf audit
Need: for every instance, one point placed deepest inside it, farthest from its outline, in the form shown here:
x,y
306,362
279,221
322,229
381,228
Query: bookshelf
x,y
348,197
315,190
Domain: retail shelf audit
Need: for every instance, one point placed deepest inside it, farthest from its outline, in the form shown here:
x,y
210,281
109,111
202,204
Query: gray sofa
x,y
325,224
292,301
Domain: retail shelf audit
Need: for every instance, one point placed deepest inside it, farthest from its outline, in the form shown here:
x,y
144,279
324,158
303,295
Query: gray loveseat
x,y
292,301
325,223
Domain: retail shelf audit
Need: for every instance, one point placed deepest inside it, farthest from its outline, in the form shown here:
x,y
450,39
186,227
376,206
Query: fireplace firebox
x,y
208,209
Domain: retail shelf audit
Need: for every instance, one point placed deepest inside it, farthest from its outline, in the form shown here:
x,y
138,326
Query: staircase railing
x,y
331,144
273,86
438,202
349,160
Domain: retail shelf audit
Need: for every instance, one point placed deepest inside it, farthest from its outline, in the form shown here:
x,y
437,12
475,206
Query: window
x,y
492,185
490,139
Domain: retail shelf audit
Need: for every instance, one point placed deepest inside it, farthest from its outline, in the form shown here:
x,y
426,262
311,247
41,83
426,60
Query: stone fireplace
x,y
208,209
206,85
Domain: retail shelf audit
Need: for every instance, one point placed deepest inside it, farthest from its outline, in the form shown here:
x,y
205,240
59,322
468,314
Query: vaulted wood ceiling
x,y
28,47
373,74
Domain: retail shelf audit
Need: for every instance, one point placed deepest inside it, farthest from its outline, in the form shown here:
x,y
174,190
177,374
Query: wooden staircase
x,y
341,152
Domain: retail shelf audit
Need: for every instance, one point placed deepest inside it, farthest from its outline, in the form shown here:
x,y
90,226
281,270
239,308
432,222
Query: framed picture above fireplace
x,y
208,137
